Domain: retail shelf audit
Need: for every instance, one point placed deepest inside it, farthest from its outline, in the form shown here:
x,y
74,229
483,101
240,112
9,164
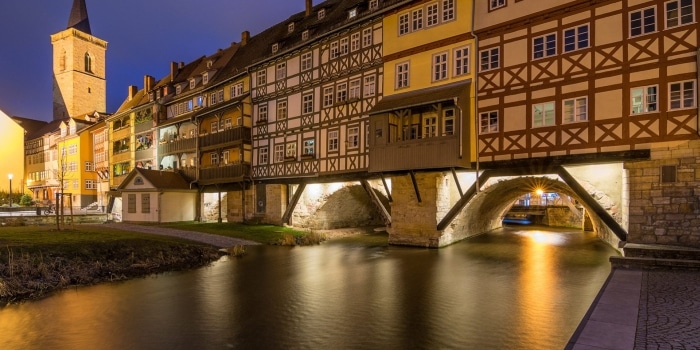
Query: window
x,y
440,66
90,185
495,4
543,114
644,99
643,21
279,153
221,95
448,121
679,12
402,75
89,166
431,17
461,59
575,110
668,173
281,70
344,46
305,35
429,125
404,24
544,46
212,99
262,155
306,61
262,113
291,150
367,37
370,83
237,90
352,13
227,124
682,95
262,77
178,89
275,47
353,137
214,158
290,27
488,122
333,140
354,89
88,63
73,166
448,10
489,59
224,157
354,42
309,147
73,149
192,83
576,38
334,50
131,203
307,103
328,96
214,126
281,110
205,78
145,203
341,92
417,20
373,4
321,13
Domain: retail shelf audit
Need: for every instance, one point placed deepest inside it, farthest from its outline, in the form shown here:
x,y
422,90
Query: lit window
x,y
489,59
488,122
544,46
679,12
644,99
543,114
576,38
309,147
575,110
352,13
643,21
402,75
682,95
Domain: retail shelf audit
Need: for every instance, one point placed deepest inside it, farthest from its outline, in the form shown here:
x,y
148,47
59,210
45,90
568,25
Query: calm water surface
x,y
511,289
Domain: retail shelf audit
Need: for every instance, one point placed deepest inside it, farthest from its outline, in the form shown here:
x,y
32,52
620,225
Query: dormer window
x,y
210,63
305,35
352,13
158,94
178,89
321,13
290,27
275,48
205,78
151,96
373,4
192,83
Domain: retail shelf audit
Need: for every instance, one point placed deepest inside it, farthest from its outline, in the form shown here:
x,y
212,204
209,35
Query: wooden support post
x,y
388,193
462,202
415,186
293,203
459,187
377,202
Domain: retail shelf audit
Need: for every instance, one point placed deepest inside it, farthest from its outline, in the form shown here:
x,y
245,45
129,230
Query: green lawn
x,y
266,234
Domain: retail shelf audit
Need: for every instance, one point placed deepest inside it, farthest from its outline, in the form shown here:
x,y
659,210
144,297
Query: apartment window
x,y
262,155
353,137
236,90
205,78
402,75
76,184
224,157
643,21
290,27
279,153
307,103
212,99
281,70
417,19
328,96
544,46
309,147
131,203
448,10
488,122
448,121
281,110
321,13
373,4
262,77
89,166
344,46
341,92
576,38
214,158
461,59
214,126
291,150
404,24
90,185
495,4
367,37
227,124
73,149
682,95
178,89
352,13
275,47
543,114
370,85
431,17
262,113
73,166
489,59
354,89
334,50
679,12
221,95
305,35
644,99
355,42
440,66
333,140
429,125
192,83
575,110
306,61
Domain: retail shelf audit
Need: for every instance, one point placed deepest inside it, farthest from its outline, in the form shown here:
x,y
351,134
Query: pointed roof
x,y
79,17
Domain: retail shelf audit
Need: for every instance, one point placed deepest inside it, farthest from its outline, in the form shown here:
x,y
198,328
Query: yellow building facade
x,y
76,173
12,164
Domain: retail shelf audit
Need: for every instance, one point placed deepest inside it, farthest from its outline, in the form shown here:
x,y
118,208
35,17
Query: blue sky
x,y
144,36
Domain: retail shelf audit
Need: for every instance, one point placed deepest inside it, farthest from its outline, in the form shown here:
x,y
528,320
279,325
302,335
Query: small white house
x,y
157,196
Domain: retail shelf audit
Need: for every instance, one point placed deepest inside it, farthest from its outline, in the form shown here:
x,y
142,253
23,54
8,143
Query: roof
x,y
79,17
30,126
162,180
420,97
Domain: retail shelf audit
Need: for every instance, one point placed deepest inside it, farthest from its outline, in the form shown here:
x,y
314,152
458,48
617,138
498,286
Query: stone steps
x,y
648,256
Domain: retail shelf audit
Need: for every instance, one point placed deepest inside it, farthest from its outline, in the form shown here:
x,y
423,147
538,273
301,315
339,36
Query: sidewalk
x,y
643,309
215,240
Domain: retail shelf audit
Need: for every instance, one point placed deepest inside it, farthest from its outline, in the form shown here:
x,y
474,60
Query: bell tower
x,y
79,82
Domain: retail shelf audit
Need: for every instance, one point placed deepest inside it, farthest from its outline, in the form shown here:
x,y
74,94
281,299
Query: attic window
x,y
373,4
352,13
192,83
178,89
321,13
305,35
290,27
210,63
158,94
150,96
205,78
275,48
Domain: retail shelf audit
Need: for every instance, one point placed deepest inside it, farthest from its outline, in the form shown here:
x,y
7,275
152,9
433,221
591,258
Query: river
x,y
515,288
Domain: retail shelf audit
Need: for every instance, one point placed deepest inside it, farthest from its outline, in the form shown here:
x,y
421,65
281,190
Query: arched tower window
x,y
88,63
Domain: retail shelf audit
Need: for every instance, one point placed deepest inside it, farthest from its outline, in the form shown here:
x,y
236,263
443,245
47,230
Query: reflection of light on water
x,y
541,237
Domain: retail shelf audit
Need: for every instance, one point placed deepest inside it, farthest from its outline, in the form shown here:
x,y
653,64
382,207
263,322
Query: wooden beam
x,y
293,203
462,202
459,187
415,185
386,188
377,202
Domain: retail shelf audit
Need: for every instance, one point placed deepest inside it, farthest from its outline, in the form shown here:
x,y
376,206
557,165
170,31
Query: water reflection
x,y
510,289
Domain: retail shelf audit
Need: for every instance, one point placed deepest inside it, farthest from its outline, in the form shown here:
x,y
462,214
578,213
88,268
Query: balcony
x,y
236,134
190,173
179,145
428,153
224,173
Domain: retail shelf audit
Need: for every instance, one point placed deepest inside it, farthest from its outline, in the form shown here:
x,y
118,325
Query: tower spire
x,y
79,17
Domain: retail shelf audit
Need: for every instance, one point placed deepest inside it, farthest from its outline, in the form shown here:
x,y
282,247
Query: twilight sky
x,y
143,37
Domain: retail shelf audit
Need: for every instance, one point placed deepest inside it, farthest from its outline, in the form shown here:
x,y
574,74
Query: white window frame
x,y
307,104
544,46
430,125
644,100
328,96
461,58
354,42
279,153
544,114
448,121
496,4
373,4
205,78
353,137
341,92
225,157
679,16
642,23
575,110
367,39
403,75
307,61
290,27
333,140
89,166
261,77
335,52
305,35
214,158
321,13
344,46
90,185
214,127
491,60
432,15
236,90
488,122
684,97
290,150
448,10
262,113
275,47
416,19
281,70
370,85
440,66
354,89
282,110
404,24
309,147
578,42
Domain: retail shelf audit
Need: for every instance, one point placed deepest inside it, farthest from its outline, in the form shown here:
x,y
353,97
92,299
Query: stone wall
x,y
336,205
562,217
665,213
415,223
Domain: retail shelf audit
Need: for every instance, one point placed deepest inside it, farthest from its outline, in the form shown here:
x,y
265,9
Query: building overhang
x,y
421,97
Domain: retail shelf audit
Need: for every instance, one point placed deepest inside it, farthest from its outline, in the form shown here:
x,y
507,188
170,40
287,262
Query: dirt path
x,y
215,240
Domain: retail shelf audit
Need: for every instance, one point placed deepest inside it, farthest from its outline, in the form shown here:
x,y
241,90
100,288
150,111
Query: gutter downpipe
x,y
476,94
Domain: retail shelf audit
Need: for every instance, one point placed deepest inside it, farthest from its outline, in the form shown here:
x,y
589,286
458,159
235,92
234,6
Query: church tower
x,y
79,83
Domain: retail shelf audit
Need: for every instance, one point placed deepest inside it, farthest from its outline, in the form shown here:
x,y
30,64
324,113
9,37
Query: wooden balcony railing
x,y
224,173
239,133
177,146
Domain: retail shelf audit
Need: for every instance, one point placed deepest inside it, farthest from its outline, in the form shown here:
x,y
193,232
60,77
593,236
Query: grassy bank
x,y
35,261
265,234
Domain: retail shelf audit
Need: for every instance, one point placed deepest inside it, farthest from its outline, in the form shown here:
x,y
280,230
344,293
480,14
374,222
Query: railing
x,y
144,154
189,173
239,133
177,145
225,172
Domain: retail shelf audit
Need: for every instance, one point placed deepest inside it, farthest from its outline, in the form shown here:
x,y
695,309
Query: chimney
x,y
148,82
132,92
309,7
245,36
182,64
173,70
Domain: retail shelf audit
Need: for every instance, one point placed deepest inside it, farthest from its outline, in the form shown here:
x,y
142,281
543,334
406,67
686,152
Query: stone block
x,y
661,200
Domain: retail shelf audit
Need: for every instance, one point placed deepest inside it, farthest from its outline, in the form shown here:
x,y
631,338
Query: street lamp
x,y
9,176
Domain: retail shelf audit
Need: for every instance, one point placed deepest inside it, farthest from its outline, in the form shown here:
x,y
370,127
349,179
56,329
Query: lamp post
x,y
9,176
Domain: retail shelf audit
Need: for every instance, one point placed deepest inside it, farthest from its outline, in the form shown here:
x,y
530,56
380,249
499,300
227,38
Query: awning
x,y
420,97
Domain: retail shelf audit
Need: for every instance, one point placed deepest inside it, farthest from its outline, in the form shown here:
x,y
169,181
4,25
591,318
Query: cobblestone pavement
x,y
669,310
215,240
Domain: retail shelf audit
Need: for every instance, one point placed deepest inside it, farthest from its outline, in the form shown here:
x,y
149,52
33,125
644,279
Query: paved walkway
x,y
643,309
215,240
